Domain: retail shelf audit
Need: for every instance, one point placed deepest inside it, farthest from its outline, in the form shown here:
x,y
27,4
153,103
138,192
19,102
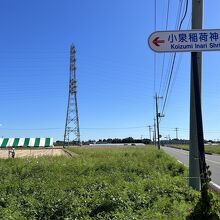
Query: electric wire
x,y
179,62
167,19
172,54
83,128
173,62
104,128
184,16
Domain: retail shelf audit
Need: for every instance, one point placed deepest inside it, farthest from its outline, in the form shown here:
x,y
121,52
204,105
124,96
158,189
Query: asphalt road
x,y
212,160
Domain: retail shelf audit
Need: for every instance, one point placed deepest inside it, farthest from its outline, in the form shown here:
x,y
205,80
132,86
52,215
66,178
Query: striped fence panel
x,y
26,142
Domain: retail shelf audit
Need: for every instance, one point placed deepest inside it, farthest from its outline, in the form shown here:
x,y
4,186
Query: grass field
x,y
208,148
128,183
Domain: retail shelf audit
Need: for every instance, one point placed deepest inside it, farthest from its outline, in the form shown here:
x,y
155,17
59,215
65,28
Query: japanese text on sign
x,y
187,40
193,37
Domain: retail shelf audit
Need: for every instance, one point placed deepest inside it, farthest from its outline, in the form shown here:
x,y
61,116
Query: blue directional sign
x,y
185,41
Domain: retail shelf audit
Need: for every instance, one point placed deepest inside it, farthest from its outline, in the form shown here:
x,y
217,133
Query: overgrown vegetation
x,y
207,206
134,183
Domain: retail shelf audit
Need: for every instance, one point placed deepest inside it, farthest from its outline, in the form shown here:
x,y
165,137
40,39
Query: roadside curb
x,y
212,185
215,187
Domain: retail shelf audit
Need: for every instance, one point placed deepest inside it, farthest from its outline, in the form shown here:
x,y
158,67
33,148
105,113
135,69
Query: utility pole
x,y
158,115
176,129
197,164
72,118
149,131
154,136
169,138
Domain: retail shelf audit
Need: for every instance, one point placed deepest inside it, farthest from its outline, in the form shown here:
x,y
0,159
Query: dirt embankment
x,y
33,153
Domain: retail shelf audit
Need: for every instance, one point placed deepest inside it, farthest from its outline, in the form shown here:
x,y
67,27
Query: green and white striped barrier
x,y
26,142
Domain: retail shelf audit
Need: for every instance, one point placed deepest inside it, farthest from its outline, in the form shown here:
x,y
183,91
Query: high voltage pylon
x,y
72,133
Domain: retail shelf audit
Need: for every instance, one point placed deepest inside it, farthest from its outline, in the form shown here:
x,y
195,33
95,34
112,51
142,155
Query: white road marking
x,y
179,161
188,154
214,186
213,161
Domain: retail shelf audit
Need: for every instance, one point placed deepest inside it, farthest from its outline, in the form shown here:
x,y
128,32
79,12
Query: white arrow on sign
x,y
185,41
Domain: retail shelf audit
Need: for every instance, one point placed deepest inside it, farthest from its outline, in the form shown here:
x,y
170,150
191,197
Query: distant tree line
x,y
174,141
183,141
61,143
128,140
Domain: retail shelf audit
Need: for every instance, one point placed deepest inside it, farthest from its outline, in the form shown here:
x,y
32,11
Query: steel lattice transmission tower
x,y
72,133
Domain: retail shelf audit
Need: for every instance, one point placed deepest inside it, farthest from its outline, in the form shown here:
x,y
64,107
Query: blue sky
x,y
115,68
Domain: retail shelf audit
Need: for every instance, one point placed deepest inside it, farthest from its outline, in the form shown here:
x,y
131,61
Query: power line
x,y
84,128
29,129
179,62
184,16
172,55
173,62
167,18
115,128
104,128
171,73
179,13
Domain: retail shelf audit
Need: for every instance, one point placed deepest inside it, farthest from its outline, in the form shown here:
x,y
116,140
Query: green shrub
x,y
127,183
